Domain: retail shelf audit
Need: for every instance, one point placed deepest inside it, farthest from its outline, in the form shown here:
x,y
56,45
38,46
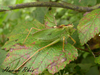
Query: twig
x,y
53,4
90,50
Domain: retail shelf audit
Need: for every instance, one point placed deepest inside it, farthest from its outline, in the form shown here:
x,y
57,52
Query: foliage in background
x,y
9,20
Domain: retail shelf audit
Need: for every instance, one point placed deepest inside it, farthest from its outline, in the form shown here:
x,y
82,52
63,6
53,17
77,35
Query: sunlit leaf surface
x,y
20,56
51,58
20,32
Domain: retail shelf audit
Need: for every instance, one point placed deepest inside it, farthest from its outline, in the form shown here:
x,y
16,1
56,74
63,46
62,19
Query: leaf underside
x,y
51,58
89,26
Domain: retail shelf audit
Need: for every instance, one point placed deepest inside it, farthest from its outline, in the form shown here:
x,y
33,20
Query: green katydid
x,y
54,34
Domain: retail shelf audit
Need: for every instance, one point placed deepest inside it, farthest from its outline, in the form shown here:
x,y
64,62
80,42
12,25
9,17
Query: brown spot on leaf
x,y
53,64
63,60
33,43
69,53
36,71
8,55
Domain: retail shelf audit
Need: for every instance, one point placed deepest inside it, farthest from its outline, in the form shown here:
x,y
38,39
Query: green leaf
x,y
7,2
44,0
2,18
39,14
20,32
89,60
98,1
19,1
85,67
82,2
4,7
50,18
51,58
2,55
97,60
85,2
13,15
46,73
5,73
93,71
89,26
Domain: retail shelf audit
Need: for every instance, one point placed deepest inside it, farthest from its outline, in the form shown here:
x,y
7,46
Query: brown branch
x,y
86,50
53,4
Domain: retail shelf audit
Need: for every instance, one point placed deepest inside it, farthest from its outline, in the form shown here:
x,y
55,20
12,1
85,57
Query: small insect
x,y
54,34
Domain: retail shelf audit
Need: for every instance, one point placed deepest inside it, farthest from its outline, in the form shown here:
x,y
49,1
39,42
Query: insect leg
x,y
38,51
29,32
63,43
72,39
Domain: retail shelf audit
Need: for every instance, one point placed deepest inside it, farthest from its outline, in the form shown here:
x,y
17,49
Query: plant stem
x,y
53,4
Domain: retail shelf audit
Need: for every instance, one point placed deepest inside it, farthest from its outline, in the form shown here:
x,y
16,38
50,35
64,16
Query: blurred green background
x,y
84,65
